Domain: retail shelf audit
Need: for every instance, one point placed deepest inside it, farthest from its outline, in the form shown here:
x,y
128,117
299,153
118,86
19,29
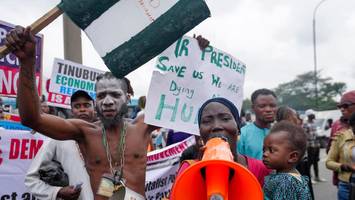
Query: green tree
x,y
246,105
300,93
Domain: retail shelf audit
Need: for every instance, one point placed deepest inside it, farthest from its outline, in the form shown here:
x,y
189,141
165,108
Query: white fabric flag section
x,y
106,37
128,33
162,166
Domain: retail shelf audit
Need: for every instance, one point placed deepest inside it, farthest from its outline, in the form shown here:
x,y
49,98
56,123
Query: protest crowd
x,y
167,145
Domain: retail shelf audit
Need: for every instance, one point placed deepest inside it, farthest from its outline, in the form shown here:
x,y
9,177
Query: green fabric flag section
x,y
83,12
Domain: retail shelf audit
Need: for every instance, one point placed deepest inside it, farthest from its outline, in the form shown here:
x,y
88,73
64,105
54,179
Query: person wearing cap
x,y
264,105
341,158
346,106
68,154
82,106
220,116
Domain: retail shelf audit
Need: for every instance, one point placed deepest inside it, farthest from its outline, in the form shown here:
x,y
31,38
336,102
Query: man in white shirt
x,y
69,155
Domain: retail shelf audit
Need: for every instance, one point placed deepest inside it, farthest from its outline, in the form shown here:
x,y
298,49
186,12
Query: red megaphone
x,y
216,177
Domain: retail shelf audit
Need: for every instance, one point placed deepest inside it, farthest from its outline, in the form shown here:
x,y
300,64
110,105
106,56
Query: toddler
x,y
283,148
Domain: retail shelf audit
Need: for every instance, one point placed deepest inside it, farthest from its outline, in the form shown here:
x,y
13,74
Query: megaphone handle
x,y
217,182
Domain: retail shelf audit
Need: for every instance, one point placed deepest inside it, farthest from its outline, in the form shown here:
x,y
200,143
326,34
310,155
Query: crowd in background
x,y
258,125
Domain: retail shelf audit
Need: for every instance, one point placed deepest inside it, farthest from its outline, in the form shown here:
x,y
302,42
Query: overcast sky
x,y
272,37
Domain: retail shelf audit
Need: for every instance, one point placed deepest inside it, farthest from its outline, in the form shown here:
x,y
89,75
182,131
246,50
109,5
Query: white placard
x,y
162,166
185,77
17,149
68,77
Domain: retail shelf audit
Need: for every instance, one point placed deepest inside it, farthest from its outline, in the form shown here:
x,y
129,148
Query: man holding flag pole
x,y
115,150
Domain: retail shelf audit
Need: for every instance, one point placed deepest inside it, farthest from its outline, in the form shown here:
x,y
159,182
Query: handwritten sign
x,y
185,77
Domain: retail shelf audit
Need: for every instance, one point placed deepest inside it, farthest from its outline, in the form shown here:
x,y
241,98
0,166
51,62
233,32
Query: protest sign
x,y
68,77
58,100
185,77
9,65
13,187
17,149
162,166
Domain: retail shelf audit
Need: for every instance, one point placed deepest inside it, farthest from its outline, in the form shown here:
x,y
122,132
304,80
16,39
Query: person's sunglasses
x,y
345,105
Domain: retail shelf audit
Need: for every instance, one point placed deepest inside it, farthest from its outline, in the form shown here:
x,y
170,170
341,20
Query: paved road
x,y
324,190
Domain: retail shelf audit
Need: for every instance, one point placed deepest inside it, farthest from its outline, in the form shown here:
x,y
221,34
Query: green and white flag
x,y
128,33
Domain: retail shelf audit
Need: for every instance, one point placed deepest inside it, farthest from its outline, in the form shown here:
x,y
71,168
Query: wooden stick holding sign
x,y
37,26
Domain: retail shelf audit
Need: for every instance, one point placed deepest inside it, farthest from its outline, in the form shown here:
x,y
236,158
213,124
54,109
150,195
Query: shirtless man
x,y
100,140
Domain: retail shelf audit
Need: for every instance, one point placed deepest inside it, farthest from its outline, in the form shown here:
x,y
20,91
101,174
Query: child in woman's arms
x,y
283,148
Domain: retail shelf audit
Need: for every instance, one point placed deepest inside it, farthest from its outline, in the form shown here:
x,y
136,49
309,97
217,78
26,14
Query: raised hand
x,y
22,43
202,42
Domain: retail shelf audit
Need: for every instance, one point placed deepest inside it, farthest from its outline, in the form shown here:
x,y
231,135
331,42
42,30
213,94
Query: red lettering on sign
x,y
14,149
24,149
9,80
58,98
34,147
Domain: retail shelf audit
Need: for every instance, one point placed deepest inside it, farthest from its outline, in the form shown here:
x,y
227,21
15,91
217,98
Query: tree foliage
x,y
300,93
246,105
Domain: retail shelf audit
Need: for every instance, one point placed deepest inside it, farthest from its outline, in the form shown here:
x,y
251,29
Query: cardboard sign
x,y
185,78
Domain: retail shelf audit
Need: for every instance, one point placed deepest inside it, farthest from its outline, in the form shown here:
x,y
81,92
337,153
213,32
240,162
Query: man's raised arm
x,y
22,43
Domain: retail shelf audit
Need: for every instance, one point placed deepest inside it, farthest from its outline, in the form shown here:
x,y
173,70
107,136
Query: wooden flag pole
x,y
37,26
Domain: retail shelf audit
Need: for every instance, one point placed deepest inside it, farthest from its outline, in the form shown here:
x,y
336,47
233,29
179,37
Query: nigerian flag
x,y
128,33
